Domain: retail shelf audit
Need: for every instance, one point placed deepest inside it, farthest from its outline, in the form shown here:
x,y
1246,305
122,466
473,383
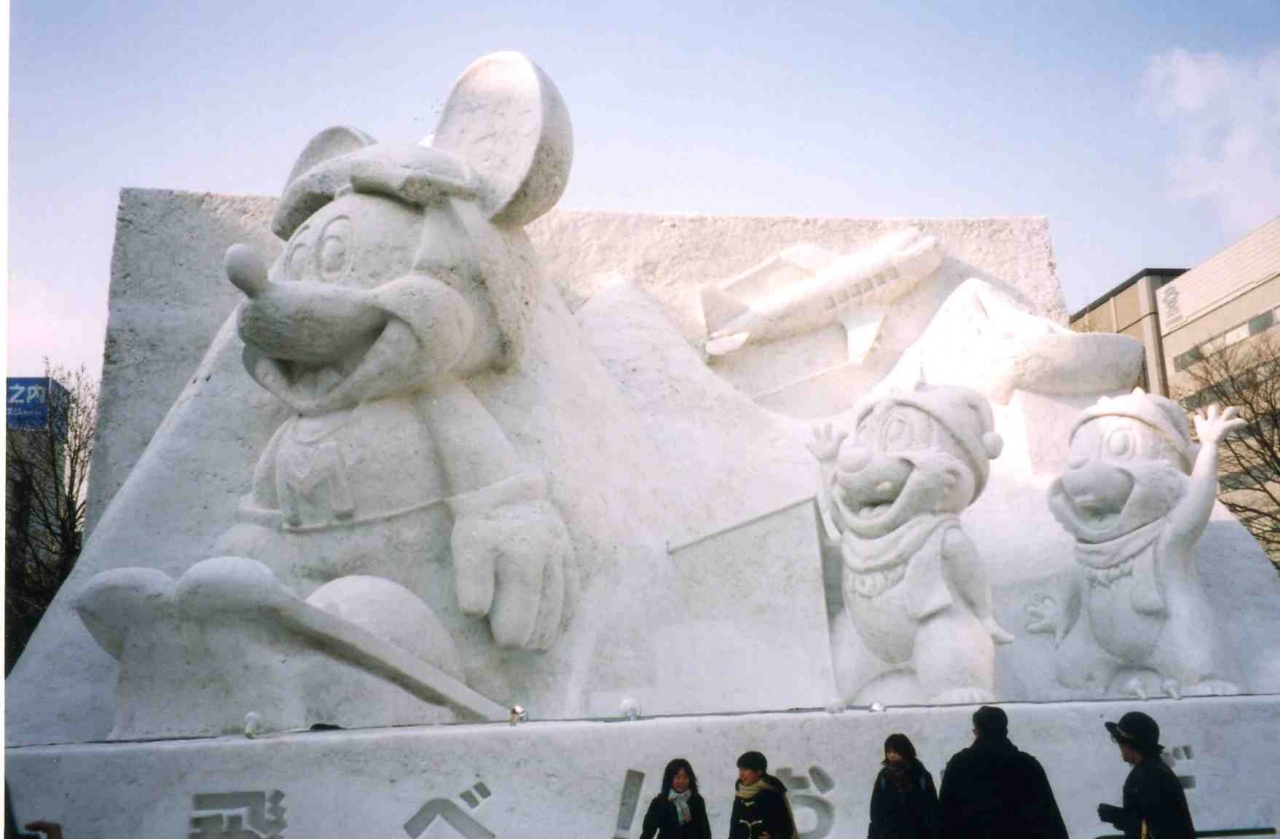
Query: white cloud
x,y
1225,115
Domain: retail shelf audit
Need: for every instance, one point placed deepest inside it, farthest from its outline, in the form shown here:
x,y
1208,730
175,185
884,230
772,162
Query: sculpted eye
x,y
907,428
1086,443
298,265
335,248
897,432
1120,443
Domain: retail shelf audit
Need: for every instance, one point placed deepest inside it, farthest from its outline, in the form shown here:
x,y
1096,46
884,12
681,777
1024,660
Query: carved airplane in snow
x,y
805,288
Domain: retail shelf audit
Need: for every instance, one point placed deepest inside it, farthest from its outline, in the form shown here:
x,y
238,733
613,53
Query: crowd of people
x,y
990,790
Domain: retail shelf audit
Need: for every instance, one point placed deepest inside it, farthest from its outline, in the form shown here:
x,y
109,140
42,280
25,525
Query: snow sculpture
x,y
228,649
405,272
913,584
1137,496
1006,348
805,287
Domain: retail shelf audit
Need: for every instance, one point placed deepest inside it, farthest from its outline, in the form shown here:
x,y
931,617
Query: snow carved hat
x,y
1163,415
966,415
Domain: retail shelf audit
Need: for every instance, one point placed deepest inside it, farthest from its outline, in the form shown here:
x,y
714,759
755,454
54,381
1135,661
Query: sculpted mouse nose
x,y
854,458
246,269
1098,480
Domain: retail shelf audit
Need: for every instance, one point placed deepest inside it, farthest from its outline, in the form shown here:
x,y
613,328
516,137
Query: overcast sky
x,y
1148,133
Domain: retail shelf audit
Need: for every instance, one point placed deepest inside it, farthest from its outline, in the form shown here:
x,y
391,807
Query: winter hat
x,y
340,158
1137,729
1163,415
966,414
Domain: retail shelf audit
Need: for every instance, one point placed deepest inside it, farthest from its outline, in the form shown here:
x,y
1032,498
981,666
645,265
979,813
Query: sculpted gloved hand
x,y
509,563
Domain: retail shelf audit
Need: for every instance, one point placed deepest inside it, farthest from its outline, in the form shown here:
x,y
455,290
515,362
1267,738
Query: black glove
x,y
1109,813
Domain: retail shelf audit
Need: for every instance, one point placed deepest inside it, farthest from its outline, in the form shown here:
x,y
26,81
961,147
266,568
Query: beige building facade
x,y
1229,298
1182,317
1131,309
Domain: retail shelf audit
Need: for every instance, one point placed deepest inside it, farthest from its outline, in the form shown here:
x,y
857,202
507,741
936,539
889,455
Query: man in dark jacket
x,y
1152,793
993,791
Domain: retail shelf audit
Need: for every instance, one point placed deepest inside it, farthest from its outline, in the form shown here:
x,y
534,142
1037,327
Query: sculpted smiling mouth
x,y
311,324
1096,493
870,493
880,499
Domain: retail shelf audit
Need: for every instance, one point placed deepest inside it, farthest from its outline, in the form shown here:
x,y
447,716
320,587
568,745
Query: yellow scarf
x,y
749,791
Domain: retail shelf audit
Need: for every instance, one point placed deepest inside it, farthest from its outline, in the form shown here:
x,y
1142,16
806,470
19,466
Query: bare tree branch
x,y
1246,375
47,472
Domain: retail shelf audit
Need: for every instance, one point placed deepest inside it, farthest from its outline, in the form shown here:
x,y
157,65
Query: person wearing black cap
x,y
1155,807
760,806
991,790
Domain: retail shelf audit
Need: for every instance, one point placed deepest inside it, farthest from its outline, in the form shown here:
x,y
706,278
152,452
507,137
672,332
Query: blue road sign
x,y
32,402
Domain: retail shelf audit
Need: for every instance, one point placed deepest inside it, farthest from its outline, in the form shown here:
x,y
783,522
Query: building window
x,y
1184,360
1255,325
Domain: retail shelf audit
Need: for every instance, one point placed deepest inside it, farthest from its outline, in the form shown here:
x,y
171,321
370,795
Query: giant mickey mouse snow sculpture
x,y
404,274
406,271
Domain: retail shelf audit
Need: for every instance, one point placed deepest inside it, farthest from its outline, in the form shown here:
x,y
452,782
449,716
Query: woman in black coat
x,y
904,803
678,812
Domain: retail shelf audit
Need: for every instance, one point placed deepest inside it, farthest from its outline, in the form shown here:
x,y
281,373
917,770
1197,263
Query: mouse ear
x,y
332,142
506,120
303,196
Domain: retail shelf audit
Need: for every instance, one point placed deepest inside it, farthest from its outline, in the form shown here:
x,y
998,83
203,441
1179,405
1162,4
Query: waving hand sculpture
x,y
1136,496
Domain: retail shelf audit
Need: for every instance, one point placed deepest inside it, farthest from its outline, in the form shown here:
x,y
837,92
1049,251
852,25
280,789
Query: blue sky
x,y
1148,133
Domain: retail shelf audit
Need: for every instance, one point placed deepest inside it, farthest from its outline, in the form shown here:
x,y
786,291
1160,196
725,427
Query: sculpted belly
x,y
877,605
364,494
1127,634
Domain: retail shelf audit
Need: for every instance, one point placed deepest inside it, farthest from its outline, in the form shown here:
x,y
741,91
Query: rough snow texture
x,y
162,265
685,497
169,295
586,779
671,257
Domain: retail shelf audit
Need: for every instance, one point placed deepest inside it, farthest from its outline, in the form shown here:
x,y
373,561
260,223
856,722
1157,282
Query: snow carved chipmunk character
x,y
913,584
1136,496
406,272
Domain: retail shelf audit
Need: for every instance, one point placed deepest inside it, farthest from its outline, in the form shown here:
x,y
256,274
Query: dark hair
x,y
754,761
900,744
669,774
990,721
